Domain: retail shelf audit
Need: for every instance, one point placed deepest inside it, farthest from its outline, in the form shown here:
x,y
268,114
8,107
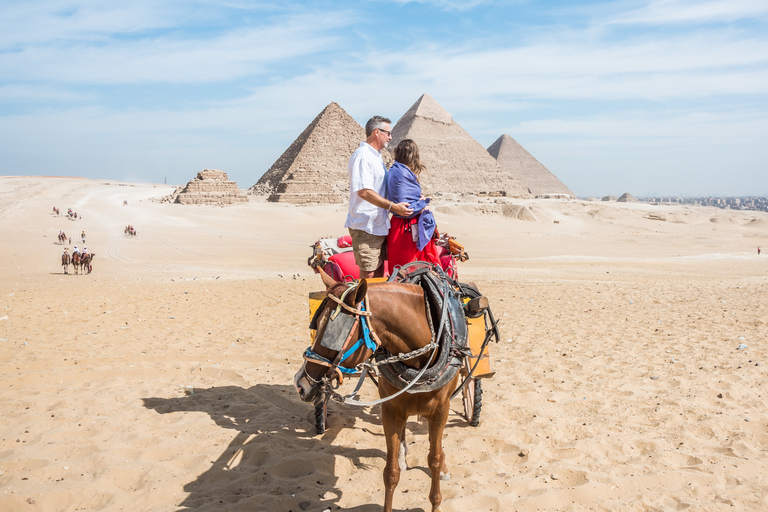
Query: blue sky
x,y
651,97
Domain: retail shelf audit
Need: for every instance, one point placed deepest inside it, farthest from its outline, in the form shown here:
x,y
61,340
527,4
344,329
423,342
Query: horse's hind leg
x,y
394,426
403,450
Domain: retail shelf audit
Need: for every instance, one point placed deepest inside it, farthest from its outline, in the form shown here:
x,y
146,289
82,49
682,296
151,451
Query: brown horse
x,y
398,320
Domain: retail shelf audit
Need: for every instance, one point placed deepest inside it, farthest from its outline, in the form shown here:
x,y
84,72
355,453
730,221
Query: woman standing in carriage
x,y
410,238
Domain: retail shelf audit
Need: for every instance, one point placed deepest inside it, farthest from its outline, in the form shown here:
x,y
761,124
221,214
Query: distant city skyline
x,y
650,97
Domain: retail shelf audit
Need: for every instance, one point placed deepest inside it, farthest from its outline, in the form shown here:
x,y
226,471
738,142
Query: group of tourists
x,y
375,192
75,250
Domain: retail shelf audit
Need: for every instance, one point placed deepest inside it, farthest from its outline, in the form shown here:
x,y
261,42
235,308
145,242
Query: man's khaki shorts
x,y
370,250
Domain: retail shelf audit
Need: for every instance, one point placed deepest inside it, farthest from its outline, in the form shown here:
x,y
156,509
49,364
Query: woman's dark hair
x,y
407,153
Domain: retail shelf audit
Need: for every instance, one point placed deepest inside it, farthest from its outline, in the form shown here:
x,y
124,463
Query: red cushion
x,y
344,267
344,241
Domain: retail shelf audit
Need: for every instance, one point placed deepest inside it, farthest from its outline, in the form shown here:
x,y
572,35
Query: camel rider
x,y
75,251
85,251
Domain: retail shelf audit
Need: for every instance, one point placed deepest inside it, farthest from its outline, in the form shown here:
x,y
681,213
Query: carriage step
x,y
476,306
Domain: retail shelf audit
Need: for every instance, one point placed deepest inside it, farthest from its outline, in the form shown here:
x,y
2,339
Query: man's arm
x,y
401,209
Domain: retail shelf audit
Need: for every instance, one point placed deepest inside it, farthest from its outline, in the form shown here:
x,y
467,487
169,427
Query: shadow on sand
x,y
275,461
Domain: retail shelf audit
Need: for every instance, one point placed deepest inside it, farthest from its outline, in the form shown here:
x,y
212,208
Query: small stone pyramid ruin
x,y
314,168
211,186
626,197
455,162
536,178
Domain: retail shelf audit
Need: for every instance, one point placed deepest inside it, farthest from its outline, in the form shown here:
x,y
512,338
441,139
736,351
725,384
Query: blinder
x,y
337,329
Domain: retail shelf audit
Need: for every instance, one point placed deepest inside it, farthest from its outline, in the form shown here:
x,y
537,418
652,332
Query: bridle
x,y
368,340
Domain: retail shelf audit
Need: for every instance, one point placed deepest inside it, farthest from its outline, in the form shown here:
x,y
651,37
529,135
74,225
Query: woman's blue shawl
x,y
404,187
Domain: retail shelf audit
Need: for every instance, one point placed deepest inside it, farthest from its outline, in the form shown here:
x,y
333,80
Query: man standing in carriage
x,y
368,216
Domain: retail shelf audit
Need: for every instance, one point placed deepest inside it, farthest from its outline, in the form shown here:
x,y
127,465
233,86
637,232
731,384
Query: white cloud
x,y
172,59
660,12
452,5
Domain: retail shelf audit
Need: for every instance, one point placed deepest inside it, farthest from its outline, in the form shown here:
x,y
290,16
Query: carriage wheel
x,y
321,417
472,398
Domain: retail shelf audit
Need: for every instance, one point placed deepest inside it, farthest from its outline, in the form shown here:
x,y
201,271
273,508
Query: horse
x,y
65,262
396,315
85,262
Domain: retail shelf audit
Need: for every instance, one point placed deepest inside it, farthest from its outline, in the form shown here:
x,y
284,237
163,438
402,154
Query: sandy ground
x,y
163,380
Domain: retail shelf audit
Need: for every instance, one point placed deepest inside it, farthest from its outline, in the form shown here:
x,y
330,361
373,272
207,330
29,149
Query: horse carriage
x,y
422,333
336,258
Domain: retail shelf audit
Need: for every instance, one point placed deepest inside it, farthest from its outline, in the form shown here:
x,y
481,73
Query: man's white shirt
x,y
366,169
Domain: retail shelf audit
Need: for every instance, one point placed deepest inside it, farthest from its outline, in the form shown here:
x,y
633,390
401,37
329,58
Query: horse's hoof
x,y
445,477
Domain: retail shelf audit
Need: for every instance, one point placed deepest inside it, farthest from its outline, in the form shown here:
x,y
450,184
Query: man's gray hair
x,y
375,122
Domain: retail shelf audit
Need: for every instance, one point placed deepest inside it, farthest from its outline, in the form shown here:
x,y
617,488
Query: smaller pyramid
x,y
211,186
626,197
536,178
455,162
314,168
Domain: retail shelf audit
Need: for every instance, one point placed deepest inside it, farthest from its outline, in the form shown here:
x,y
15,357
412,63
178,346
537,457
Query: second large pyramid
x,y
456,163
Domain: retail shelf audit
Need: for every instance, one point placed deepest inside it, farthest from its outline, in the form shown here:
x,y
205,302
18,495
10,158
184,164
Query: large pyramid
x,y
455,162
314,168
536,178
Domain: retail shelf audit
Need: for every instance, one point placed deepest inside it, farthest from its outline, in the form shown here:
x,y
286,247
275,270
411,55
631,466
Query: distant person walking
x,y
368,216
758,251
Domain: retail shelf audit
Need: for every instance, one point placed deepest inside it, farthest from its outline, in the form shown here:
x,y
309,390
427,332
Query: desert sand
x,y
631,374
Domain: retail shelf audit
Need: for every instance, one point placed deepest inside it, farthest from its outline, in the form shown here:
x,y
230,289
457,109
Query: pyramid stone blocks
x,y
455,162
314,168
211,186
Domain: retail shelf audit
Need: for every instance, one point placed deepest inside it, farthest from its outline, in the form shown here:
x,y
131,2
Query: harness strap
x,y
366,339
352,401
336,363
341,303
373,333
315,358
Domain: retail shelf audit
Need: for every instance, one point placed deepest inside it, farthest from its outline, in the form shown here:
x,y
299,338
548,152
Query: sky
x,y
650,97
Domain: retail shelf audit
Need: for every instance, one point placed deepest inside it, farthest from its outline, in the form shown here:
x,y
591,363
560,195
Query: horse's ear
x,y
353,299
328,281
